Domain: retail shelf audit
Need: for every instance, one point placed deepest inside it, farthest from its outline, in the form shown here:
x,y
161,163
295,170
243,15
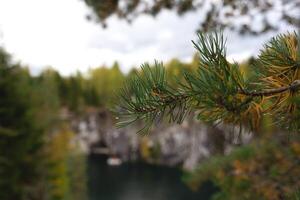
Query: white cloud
x,y
55,33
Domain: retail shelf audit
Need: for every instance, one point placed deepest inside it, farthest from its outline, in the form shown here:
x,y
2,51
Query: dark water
x,y
139,182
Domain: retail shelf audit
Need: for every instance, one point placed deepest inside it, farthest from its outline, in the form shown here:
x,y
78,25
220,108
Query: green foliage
x,y
20,137
33,162
149,97
295,196
105,82
76,92
57,151
45,99
150,152
221,92
175,71
77,175
66,168
218,91
71,91
218,82
265,169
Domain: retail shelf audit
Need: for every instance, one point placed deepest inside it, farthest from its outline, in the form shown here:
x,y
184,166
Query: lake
x,y
139,181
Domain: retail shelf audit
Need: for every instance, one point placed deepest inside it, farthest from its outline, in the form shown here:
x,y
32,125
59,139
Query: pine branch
x,y
270,92
148,97
218,91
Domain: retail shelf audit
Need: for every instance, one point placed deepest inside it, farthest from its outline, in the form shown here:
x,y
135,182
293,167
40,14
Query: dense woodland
x,y
39,161
34,138
37,158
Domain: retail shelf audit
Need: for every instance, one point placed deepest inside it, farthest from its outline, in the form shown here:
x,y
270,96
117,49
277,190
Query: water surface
x,y
139,182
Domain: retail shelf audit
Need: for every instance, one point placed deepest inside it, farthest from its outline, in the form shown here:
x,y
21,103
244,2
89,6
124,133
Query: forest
x,y
207,127
271,160
36,140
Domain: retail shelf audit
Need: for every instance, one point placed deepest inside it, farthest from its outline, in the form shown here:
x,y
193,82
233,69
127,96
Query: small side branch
x,y
292,87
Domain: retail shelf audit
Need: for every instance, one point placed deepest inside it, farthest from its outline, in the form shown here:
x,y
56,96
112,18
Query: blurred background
x,y
61,65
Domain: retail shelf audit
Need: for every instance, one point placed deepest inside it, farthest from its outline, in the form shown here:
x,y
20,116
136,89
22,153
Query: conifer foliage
x,y
219,91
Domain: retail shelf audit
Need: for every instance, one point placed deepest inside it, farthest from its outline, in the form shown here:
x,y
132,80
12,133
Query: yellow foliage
x,y
296,148
145,150
58,150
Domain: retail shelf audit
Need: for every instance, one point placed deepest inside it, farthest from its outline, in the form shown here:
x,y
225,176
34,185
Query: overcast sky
x,y
41,33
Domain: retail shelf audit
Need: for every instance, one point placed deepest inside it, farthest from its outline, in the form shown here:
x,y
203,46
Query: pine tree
x,y
20,137
219,91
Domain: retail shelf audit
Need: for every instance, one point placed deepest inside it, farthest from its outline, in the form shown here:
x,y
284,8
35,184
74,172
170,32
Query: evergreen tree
x,y
220,92
20,138
105,81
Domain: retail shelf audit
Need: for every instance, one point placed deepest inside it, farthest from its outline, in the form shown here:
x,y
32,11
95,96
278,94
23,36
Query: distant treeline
x,y
37,160
95,88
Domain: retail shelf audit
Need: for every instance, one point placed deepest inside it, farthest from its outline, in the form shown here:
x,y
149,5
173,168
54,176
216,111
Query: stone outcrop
x,y
183,145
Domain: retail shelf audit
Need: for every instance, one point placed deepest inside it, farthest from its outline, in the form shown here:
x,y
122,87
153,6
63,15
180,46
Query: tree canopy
x,y
239,15
20,136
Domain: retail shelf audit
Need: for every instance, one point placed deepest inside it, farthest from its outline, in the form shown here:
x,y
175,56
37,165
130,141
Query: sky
x,y
44,33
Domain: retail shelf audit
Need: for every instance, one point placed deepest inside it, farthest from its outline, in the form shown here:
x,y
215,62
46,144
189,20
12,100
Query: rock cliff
x,y
183,145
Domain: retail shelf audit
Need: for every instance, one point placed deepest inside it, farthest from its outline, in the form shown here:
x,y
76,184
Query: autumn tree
x,y
36,160
105,81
